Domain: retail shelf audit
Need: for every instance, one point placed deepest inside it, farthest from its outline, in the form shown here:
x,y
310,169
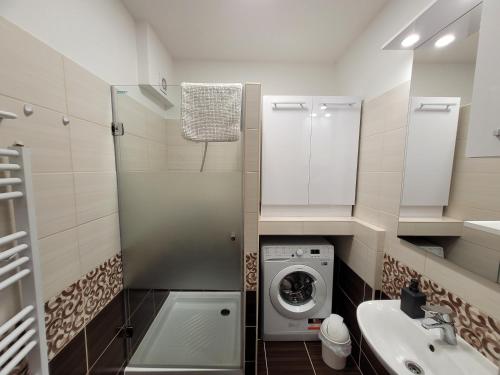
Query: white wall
x,y
365,69
100,35
276,78
443,80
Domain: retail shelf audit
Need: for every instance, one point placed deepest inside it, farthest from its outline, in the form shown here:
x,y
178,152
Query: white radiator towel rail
x,y
23,335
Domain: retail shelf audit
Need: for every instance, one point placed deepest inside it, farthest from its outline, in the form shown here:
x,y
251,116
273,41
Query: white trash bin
x,y
336,342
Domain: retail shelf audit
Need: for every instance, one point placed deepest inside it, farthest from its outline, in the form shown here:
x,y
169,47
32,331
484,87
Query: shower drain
x,y
414,368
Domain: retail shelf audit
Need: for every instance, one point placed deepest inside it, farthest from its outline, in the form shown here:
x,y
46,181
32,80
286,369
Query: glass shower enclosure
x,y
181,238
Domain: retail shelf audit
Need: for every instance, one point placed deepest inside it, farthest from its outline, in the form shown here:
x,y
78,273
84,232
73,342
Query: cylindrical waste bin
x,y
336,343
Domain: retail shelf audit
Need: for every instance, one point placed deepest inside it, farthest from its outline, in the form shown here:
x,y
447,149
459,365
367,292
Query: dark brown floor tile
x,y
160,296
374,361
261,358
249,368
287,358
104,327
321,368
72,359
351,284
112,358
141,319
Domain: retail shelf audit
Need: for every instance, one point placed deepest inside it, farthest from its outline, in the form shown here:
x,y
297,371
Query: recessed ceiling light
x,y
410,40
314,114
323,107
444,40
328,114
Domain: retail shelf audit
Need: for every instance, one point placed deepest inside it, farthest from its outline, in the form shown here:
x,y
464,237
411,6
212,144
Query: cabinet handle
x,y
445,105
301,104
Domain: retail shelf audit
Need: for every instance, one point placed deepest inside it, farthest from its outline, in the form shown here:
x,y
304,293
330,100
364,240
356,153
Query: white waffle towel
x,y
211,112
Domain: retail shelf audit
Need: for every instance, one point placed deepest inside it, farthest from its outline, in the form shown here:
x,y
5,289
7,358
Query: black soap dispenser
x,y
412,299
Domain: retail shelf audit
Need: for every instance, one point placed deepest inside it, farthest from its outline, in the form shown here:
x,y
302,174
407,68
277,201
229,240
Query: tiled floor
x,y
296,357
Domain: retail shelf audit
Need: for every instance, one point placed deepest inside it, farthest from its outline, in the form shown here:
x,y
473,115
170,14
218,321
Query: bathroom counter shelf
x,y
326,226
430,226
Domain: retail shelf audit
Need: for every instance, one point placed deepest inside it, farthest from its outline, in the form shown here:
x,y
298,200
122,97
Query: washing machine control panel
x,y
298,252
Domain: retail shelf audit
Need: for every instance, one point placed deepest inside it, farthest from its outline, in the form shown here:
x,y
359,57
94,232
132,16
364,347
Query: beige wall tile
x,y
132,114
251,192
133,153
30,70
393,150
10,305
251,240
252,106
91,147
252,150
43,132
361,259
370,236
98,240
390,190
60,261
406,253
223,156
96,195
185,158
156,127
55,202
157,156
89,97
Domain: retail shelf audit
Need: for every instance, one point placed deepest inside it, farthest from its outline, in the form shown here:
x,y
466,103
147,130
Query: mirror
x,y
450,204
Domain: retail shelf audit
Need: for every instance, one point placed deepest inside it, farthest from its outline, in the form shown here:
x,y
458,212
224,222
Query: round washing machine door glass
x,y
298,291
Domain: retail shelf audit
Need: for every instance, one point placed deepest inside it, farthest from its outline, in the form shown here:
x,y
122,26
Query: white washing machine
x,y
297,281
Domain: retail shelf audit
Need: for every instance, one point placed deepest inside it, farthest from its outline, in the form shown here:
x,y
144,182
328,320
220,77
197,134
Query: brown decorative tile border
x,y
251,271
478,329
67,313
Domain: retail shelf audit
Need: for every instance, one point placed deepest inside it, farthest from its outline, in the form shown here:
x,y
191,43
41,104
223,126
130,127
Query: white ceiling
x,y
256,30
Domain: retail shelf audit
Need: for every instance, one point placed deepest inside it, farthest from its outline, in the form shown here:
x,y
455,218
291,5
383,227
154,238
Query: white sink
x,y
398,340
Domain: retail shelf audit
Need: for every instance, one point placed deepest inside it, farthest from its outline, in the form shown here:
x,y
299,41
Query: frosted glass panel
x,y
181,229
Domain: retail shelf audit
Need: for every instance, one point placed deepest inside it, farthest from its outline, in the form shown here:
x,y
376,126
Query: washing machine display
x,y
297,281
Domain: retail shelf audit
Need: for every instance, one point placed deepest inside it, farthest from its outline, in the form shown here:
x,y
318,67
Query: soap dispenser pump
x,y
412,299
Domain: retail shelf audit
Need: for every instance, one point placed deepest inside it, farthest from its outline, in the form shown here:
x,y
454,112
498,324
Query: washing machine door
x,y
298,291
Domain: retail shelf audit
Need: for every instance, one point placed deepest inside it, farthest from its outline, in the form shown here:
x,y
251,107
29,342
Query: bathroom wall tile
x,y
112,359
133,153
365,365
251,271
134,298
281,227
251,308
64,317
156,127
327,227
55,202
250,343
132,114
89,97
92,147
344,307
98,240
72,359
160,297
370,235
43,132
252,105
141,319
96,195
185,158
223,156
31,71
393,150
251,236
101,285
157,157
60,262
352,285
252,150
251,192
105,327
390,189
361,259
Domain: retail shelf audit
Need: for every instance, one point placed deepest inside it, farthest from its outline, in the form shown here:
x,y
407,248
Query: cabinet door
x,y
286,133
430,147
334,150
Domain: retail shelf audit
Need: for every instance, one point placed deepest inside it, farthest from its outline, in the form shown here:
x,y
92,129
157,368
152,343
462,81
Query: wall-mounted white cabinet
x,y
309,155
430,148
483,137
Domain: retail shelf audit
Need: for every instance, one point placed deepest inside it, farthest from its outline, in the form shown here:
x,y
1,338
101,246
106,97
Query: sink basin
x,y
406,348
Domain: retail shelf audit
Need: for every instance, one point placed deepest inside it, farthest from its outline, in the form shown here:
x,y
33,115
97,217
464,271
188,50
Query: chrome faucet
x,y
440,317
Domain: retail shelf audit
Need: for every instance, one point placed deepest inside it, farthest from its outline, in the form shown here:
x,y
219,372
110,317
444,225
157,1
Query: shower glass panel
x,y
181,236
